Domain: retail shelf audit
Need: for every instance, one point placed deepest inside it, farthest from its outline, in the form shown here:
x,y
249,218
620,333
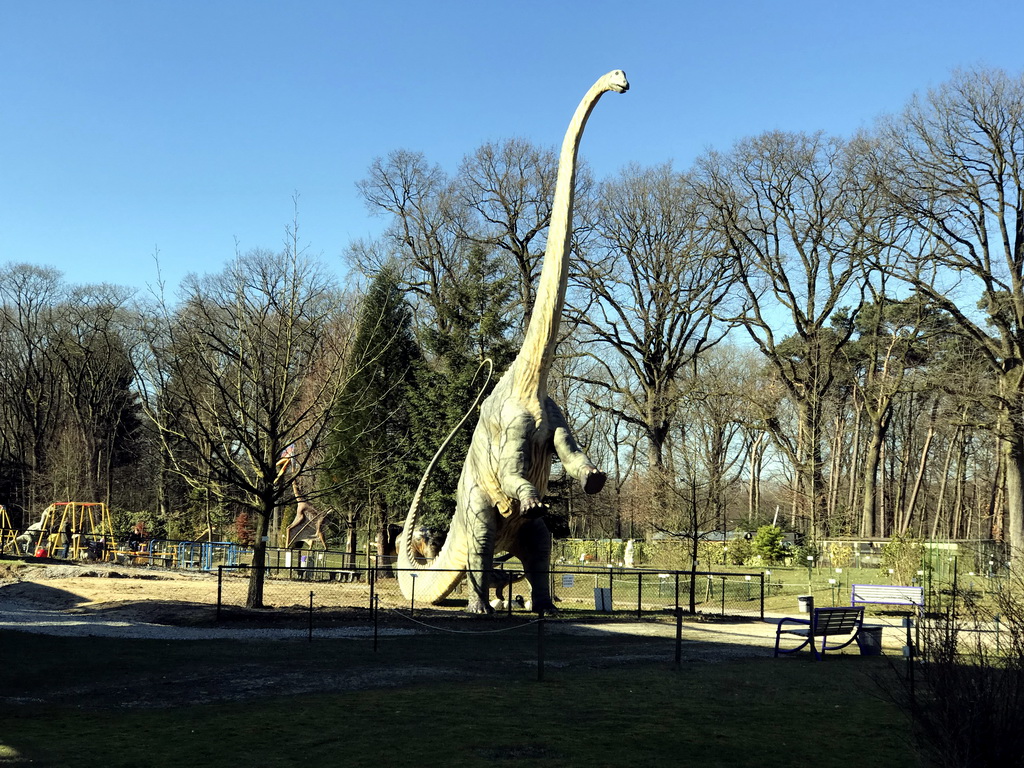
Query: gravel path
x,y
104,601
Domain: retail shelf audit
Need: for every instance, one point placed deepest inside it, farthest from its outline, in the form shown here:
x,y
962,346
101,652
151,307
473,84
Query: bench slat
x,y
887,594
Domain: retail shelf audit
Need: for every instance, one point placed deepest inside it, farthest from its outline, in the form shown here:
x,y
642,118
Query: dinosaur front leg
x,y
575,461
520,456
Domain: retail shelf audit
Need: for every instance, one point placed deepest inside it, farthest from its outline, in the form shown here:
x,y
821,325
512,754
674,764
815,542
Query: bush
x,y
769,544
966,708
709,554
904,555
740,550
840,555
801,553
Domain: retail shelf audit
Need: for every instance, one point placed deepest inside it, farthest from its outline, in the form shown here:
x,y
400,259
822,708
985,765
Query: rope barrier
x,y
462,631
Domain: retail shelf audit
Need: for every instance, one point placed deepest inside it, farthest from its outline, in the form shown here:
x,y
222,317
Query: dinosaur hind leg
x,y
533,548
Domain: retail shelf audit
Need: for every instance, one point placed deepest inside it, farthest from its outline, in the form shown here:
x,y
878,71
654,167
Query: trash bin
x,y
805,603
870,641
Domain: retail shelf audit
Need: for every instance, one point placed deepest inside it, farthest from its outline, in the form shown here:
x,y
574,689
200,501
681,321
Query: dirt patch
x,y
118,593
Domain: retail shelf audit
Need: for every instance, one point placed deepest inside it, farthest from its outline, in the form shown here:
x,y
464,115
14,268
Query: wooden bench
x,y
824,623
887,594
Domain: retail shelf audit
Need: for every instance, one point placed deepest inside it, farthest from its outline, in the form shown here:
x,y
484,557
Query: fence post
x,y
540,645
220,588
723,596
371,577
679,637
611,589
374,608
761,575
677,591
639,593
311,616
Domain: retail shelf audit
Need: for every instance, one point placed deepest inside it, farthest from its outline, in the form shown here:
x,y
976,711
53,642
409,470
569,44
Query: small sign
x,y
568,580
831,581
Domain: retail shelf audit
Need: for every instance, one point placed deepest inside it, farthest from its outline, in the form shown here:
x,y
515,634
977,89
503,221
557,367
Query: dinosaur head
x,y
616,81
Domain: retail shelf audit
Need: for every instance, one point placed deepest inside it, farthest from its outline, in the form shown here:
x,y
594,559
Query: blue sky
x,y
182,127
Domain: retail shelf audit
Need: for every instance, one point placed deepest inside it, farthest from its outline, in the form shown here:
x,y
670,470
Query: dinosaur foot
x,y
478,608
547,607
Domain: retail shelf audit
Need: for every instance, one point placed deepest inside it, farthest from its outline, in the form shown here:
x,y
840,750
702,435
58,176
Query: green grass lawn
x,y
468,701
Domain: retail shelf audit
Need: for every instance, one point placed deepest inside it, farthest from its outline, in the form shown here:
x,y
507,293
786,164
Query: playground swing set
x,y
73,529
79,530
8,536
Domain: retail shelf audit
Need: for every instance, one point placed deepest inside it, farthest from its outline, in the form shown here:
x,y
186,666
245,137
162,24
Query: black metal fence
x,y
577,591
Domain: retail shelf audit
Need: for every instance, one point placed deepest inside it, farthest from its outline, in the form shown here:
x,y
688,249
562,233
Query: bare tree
x,y
93,345
952,164
507,189
236,376
650,282
29,375
796,216
425,233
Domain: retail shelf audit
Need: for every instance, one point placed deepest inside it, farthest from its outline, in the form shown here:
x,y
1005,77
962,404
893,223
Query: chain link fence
x,y
577,592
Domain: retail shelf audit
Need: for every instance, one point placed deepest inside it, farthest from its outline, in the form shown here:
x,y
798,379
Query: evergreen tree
x,y
369,446
476,320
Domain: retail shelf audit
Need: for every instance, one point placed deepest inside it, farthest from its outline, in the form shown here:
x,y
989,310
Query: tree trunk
x,y
756,461
810,478
908,514
944,482
254,598
351,543
1013,466
869,480
853,487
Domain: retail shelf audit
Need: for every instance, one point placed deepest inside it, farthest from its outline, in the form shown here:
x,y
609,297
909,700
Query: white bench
x,y
887,594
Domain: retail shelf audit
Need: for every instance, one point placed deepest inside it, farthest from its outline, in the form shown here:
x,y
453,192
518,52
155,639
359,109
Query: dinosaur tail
x,y
432,583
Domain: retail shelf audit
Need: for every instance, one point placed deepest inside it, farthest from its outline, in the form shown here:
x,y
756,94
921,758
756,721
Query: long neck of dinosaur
x,y
534,360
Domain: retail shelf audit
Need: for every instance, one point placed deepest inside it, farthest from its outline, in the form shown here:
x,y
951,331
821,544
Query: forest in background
x,y
823,331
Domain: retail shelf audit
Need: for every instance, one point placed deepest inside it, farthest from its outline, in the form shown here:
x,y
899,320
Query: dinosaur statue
x,y
426,543
307,525
499,499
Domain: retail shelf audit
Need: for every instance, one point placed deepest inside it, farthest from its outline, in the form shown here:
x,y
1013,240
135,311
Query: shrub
x,y
740,550
903,554
709,554
840,555
802,552
769,544
965,708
